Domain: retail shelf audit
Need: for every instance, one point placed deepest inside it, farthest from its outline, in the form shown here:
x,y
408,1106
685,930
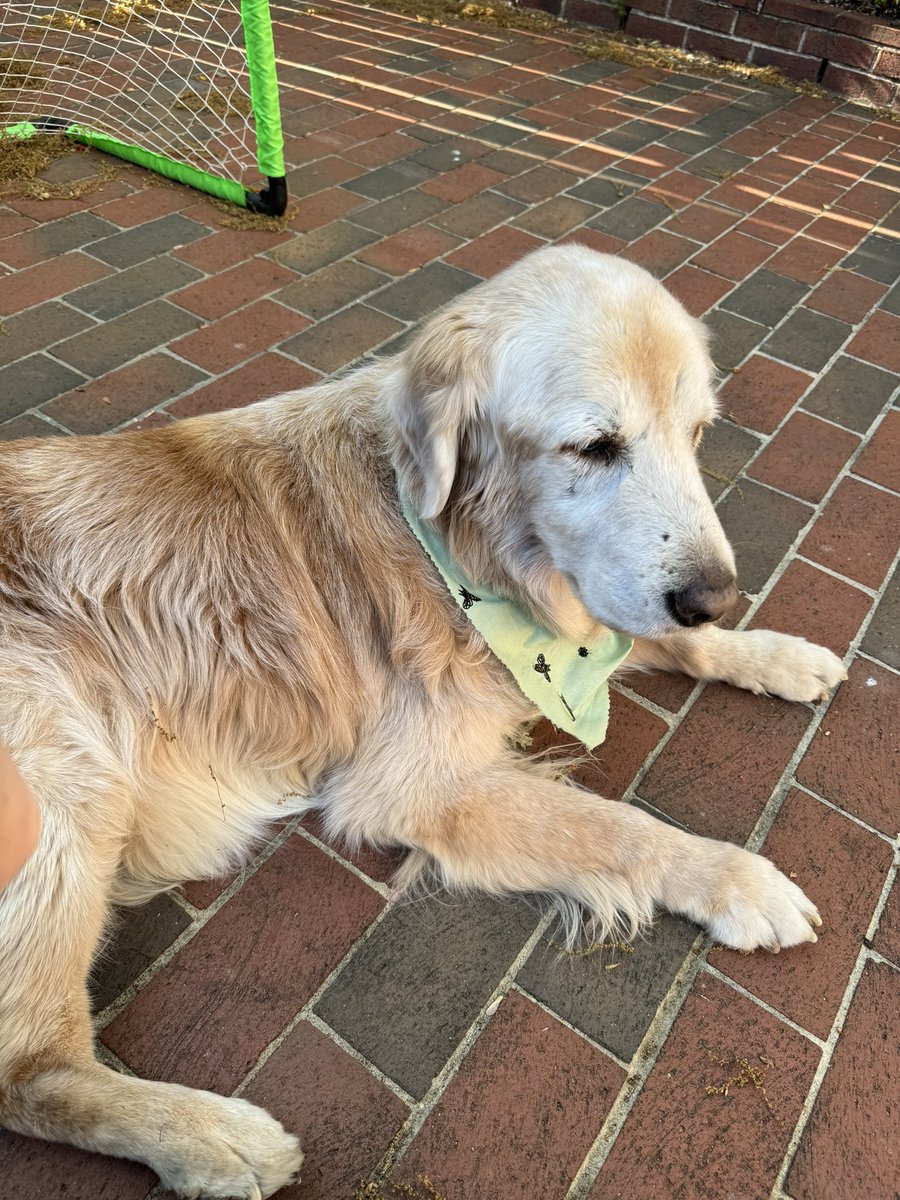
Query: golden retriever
x,y
232,611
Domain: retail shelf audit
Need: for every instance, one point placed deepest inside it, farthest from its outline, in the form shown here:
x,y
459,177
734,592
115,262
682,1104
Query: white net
x,y
169,76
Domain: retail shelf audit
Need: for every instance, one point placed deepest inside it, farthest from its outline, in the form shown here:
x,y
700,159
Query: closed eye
x,y
607,449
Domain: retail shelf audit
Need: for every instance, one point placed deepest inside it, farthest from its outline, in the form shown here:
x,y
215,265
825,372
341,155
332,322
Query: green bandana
x,y
568,681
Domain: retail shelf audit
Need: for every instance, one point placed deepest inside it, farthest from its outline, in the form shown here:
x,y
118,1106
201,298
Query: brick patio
x,y
449,1041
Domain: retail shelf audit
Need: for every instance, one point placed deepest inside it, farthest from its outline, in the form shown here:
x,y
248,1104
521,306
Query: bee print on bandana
x,y
468,598
542,667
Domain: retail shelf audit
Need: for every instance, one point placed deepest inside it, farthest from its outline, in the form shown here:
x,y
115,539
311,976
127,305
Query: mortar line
x,y
586,141
791,552
872,483
604,1050
182,902
670,719
648,1052
876,662
647,765
440,107
381,888
658,813
138,358
159,1190
400,23
847,467
559,37
111,1060
162,407
755,605
675,998
881,904
823,420
619,685
35,411
881,961
884,837
327,1031
760,1003
775,197
861,587
771,487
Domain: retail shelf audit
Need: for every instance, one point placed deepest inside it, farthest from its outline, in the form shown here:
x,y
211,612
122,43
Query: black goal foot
x,y
272,200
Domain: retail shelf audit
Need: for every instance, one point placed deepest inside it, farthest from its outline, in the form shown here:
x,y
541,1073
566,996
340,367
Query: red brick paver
x,y
856,534
843,1151
853,759
761,392
717,1114
805,457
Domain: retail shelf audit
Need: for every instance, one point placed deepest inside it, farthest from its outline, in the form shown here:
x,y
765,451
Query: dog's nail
x,y
814,919
774,948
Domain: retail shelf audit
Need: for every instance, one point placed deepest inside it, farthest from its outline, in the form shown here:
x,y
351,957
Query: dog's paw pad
x,y
762,909
235,1150
792,668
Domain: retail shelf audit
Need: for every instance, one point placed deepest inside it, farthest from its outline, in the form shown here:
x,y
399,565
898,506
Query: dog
x,y
233,611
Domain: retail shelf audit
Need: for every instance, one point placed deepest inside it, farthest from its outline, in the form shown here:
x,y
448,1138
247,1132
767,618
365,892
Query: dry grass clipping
x,y
593,948
23,159
244,218
422,1189
232,103
18,73
743,1074
120,13
60,19
380,1188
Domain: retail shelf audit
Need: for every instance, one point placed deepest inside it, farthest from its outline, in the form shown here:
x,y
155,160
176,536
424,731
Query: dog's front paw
x,y
230,1149
789,667
757,907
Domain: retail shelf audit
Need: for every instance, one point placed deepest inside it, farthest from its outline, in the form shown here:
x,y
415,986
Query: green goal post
x,y
270,200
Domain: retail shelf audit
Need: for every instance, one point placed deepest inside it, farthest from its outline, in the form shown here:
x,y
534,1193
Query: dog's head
x,y
549,420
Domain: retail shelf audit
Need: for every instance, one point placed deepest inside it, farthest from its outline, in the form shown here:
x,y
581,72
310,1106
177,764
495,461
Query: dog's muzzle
x,y
705,599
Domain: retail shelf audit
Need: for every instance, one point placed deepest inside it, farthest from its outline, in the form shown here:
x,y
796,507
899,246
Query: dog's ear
x,y
433,394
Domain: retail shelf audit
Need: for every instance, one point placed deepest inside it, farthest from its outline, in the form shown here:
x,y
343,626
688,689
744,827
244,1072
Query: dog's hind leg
x,y
52,1086
512,828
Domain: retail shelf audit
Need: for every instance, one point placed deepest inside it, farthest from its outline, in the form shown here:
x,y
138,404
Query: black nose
x,y
704,599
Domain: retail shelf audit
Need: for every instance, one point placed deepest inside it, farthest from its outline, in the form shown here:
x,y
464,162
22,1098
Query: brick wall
x,y
849,53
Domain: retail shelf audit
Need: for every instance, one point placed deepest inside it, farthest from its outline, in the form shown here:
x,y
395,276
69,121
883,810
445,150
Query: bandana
x,y
568,681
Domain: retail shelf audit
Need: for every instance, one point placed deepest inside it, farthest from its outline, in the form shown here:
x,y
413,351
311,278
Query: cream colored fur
x,y
211,625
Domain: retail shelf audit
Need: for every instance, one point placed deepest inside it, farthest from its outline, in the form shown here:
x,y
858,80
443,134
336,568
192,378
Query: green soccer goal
x,y
185,88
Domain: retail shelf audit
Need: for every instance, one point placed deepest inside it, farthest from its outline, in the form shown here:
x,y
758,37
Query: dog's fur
x,y
211,625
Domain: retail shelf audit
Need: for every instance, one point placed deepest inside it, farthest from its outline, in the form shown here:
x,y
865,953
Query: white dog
x,y
240,595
